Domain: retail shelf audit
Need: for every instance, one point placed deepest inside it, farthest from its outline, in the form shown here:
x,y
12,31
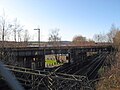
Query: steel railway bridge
x,y
77,74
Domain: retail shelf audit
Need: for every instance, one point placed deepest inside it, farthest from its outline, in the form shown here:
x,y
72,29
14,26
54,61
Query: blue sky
x,y
72,17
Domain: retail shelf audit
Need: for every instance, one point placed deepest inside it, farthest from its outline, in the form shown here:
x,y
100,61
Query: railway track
x,y
88,68
75,67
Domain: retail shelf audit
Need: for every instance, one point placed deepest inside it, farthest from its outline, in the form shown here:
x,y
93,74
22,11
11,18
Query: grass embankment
x,y
110,80
52,63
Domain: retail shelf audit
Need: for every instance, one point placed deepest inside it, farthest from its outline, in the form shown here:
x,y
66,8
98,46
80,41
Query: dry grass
x,y
111,79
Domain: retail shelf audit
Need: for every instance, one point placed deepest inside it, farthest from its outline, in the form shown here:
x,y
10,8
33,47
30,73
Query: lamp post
x,y
38,35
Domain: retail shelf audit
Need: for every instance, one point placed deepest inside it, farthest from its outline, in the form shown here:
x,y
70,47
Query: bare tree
x,y
106,37
112,33
100,37
3,22
4,28
19,35
16,28
54,38
26,36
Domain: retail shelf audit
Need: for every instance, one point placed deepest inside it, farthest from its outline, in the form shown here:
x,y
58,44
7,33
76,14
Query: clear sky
x,y
72,17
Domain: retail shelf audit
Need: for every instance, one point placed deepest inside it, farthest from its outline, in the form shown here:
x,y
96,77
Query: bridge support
x,y
33,62
39,62
75,56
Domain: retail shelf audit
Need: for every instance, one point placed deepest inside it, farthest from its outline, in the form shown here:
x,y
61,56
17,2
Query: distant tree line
x,y
12,30
108,37
113,36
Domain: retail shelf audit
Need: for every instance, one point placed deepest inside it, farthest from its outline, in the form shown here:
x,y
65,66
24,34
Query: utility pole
x,y
34,60
38,35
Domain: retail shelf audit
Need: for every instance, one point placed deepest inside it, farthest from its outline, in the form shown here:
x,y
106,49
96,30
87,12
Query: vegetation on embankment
x,y
111,79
